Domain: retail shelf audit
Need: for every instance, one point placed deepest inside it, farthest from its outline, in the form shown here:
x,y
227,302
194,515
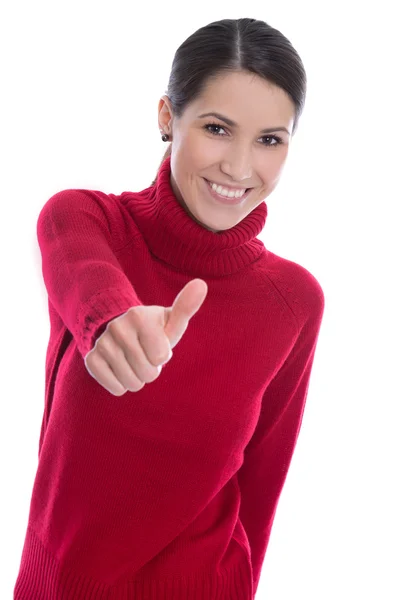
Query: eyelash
x,y
275,137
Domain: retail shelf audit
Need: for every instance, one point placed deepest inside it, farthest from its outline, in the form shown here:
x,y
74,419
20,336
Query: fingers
x,y
129,366
101,371
143,341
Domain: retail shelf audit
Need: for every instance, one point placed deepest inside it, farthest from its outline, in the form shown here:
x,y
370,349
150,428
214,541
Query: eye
x,y
277,139
213,125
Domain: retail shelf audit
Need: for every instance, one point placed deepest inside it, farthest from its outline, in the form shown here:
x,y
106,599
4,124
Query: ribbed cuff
x,y
100,310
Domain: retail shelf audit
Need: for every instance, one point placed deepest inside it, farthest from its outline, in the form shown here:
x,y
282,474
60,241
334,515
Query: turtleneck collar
x,y
175,238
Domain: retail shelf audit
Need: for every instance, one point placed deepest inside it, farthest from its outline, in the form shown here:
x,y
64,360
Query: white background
x,y
80,84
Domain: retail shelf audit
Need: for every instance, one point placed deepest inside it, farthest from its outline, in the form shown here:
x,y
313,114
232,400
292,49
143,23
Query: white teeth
x,y
228,193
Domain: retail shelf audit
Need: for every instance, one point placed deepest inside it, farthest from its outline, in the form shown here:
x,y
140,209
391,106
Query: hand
x,y
135,345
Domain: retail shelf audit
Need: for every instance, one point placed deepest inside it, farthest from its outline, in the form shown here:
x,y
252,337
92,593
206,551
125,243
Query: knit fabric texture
x,y
168,493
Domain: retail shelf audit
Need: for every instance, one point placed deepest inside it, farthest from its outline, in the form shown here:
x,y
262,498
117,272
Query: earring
x,y
165,137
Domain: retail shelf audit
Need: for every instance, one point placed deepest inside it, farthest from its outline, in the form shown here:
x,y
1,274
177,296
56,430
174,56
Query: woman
x,y
170,489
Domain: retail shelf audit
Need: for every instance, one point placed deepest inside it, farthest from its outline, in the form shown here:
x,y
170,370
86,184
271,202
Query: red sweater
x,y
169,492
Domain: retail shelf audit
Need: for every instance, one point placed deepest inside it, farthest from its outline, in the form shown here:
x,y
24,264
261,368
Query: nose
x,y
237,165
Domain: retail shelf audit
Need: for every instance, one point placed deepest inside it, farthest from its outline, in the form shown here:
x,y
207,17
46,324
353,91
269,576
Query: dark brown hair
x,y
233,45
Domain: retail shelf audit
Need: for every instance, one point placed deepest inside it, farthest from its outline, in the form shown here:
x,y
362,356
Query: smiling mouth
x,y
228,200
235,189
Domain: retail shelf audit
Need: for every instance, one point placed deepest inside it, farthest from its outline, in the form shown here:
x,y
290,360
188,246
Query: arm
x,y
268,455
77,232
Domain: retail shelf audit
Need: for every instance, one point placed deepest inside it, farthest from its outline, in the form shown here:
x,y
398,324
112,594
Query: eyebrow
x,y
233,124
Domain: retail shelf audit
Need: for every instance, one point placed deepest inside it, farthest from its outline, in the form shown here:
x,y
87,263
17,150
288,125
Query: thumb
x,y
185,305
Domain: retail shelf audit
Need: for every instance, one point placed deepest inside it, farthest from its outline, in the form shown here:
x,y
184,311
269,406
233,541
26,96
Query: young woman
x,y
164,482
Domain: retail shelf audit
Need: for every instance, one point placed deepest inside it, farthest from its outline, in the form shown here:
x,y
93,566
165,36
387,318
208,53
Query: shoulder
x,y
93,208
78,198
300,288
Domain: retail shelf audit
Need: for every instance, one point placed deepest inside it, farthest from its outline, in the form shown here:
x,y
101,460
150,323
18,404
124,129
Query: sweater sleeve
x,y
77,232
268,454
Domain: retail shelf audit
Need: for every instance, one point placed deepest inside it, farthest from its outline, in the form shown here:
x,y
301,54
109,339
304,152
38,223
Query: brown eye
x,y
215,125
273,137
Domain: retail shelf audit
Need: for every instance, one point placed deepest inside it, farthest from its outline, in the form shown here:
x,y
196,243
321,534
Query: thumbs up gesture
x,y
135,345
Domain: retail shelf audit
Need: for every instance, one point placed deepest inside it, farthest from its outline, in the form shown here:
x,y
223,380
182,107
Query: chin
x,y
216,229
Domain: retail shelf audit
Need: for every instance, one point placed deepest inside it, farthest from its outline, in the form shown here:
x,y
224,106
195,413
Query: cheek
x,y
191,157
203,149
273,170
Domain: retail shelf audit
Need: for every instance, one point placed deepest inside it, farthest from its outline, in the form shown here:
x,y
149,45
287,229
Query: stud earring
x,y
165,137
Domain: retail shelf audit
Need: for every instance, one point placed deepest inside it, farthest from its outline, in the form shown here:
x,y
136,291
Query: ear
x,y
165,114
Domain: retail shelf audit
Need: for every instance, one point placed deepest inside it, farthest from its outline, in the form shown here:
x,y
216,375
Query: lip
x,y
225,200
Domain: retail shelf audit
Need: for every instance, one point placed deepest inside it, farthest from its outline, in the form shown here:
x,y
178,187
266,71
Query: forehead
x,y
243,97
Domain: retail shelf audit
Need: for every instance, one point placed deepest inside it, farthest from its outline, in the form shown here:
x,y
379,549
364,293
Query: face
x,y
237,154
